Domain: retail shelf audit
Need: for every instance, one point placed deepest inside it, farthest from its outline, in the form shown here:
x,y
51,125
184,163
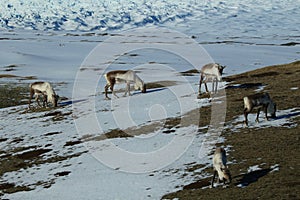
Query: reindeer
x,y
259,101
123,76
211,72
45,90
220,167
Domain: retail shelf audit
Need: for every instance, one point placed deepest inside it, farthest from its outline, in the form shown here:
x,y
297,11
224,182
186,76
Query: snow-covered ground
x,y
239,34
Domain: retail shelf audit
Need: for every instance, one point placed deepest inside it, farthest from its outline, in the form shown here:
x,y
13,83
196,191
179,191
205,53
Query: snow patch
x,y
253,168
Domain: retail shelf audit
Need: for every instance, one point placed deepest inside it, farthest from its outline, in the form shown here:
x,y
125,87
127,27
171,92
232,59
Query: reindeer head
x,y
218,70
140,86
272,109
55,99
221,68
226,175
143,89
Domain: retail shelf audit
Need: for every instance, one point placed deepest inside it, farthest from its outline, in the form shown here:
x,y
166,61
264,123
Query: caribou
x,y
123,76
211,72
259,101
44,90
220,167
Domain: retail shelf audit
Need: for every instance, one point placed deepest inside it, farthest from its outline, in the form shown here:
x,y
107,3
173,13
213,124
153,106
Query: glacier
x,y
231,18
89,15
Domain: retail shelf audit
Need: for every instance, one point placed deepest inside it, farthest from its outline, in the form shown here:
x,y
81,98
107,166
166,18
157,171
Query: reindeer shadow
x,y
66,103
244,86
150,91
244,180
286,116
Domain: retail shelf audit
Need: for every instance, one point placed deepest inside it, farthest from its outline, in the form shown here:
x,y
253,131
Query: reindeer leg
x,y
213,179
127,89
111,86
45,104
112,90
37,100
199,90
200,83
266,112
246,112
30,97
106,89
213,86
205,84
258,111
216,89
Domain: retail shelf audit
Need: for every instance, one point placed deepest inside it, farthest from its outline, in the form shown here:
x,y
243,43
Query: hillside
x,y
264,161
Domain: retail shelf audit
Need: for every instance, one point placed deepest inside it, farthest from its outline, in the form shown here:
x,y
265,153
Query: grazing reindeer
x,y
45,90
211,72
220,167
123,76
259,101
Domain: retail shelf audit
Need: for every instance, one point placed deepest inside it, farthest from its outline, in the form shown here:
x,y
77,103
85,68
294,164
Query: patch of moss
x,y
13,95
